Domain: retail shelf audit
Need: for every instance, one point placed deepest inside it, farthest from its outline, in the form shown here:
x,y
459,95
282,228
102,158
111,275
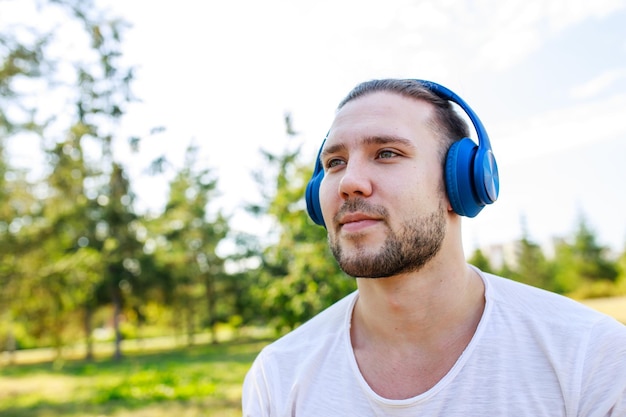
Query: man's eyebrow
x,y
332,149
387,140
372,140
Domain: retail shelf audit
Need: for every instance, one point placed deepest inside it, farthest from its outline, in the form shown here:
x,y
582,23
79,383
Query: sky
x,y
546,77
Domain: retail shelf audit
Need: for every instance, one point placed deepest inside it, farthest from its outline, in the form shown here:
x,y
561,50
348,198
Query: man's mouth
x,y
354,222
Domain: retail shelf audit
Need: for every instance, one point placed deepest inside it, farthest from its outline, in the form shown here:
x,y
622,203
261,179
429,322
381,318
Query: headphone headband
x,y
450,95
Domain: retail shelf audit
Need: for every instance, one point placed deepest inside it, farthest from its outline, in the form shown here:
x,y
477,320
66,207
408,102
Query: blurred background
x,y
153,159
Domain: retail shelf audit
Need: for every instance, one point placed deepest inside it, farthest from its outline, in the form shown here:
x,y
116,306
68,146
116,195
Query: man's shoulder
x,y
532,303
328,325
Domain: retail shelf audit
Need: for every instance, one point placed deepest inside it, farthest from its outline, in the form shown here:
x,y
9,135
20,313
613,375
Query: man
x,y
426,334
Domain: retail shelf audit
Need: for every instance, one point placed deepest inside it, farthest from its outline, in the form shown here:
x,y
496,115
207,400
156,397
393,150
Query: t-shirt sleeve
x,y
255,396
603,380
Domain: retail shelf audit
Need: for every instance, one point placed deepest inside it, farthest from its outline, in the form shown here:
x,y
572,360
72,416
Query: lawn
x,y
182,382
613,306
157,378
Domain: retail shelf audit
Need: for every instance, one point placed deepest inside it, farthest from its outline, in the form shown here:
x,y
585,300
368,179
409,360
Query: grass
x,y
184,382
156,378
613,306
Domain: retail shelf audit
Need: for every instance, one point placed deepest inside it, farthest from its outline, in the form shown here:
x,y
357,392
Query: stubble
x,y
410,248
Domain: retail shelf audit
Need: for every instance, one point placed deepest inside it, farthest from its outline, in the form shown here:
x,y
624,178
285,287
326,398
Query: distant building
x,y
500,254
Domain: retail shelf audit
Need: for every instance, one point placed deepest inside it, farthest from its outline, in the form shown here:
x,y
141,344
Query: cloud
x,y
598,84
511,31
561,129
565,13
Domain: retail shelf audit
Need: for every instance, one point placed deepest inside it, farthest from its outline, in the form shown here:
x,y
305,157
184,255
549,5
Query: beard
x,y
408,250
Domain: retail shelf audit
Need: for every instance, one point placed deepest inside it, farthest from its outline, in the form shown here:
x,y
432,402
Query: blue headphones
x,y
471,173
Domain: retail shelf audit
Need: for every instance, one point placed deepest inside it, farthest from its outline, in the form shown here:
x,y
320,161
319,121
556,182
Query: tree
x,y
188,251
16,204
583,264
62,267
620,281
532,267
122,248
19,63
298,276
62,81
479,260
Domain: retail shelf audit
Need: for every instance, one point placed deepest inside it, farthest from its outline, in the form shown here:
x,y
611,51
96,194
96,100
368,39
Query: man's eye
x,y
331,163
386,154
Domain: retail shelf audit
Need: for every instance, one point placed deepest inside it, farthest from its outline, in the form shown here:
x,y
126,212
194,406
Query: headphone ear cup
x,y
459,177
486,177
312,192
312,196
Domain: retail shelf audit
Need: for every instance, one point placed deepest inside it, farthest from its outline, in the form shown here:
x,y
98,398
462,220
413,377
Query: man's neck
x,y
419,323
420,300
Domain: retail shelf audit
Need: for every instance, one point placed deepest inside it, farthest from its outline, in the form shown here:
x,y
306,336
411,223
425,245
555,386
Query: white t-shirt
x,y
534,353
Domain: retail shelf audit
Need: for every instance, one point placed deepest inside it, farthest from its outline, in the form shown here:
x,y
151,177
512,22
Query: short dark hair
x,y
446,123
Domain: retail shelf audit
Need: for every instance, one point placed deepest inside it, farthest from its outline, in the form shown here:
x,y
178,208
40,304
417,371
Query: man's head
x,y
395,167
383,195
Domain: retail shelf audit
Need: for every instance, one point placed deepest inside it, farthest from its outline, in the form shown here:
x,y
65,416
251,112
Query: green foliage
x,y
150,385
532,267
188,248
582,268
298,277
479,260
202,380
75,253
579,267
77,234
620,281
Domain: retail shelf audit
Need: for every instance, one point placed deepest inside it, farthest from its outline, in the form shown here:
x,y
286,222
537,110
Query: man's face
x,y
382,195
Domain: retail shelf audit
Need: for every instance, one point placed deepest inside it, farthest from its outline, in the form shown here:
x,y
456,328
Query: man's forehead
x,y
382,104
380,114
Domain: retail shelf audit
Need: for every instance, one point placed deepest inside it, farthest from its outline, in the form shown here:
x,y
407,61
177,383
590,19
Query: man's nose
x,y
356,180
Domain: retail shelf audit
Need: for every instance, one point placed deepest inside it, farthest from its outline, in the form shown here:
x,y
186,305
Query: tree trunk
x,y
117,312
88,332
11,347
210,298
189,309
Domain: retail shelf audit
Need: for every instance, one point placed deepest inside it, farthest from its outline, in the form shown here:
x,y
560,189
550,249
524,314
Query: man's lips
x,y
356,221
